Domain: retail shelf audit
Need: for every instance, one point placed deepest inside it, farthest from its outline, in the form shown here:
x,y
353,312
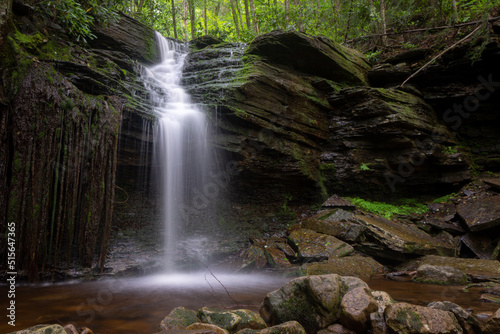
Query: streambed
x,y
137,305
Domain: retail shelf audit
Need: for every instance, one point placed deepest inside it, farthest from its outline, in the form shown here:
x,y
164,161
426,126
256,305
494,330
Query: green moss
x,y
328,167
445,199
387,210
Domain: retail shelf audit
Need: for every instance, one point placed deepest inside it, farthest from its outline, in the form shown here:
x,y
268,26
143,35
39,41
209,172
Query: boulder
x,y
255,257
313,301
359,266
233,320
289,327
179,318
312,55
413,319
336,329
481,244
42,329
377,323
357,305
492,326
353,282
318,247
469,323
488,269
394,239
198,326
481,213
335,222
383,300
440,275
276,257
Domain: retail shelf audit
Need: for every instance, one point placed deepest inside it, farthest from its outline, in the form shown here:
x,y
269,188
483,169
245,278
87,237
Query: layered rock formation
x,y
297,114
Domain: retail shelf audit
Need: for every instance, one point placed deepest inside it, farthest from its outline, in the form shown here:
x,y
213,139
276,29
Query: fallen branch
x,y
455,26
125,194
440,54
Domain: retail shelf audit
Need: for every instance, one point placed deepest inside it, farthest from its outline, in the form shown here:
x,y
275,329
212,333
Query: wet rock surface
x,y
413,319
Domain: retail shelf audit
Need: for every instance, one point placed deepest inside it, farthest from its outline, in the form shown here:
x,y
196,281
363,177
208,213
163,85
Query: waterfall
x,y
180,144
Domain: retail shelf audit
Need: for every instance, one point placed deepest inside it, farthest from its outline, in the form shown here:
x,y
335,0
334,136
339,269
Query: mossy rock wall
x,y
61,111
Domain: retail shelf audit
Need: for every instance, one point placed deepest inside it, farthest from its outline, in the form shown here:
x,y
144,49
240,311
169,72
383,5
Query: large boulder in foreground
x,y
357,305
233,320
492,326
313,301
179,318
413,319
42,329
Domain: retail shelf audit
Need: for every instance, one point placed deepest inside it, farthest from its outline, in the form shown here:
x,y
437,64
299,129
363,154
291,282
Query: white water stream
x,y
180,143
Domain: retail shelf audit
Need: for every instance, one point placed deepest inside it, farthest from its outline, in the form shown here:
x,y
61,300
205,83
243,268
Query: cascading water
x,y
180,143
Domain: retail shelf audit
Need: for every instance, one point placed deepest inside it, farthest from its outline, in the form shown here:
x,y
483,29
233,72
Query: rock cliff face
x,y
303,116
61,111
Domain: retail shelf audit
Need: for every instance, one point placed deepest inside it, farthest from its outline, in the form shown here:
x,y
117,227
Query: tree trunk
x,y
299,15
205,16
192,18
173,19
185,16
254,17
139,7
236,3
383,23
455,11
235,18
247,14
287,10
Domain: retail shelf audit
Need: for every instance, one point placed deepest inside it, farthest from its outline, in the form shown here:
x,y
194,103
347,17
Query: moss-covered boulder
x,y
206,328
289,327
486,269
413,319
440,275
315,246
336,223
313,301
396,240
42,329
233,320
312,55
359,266
179,318
466,320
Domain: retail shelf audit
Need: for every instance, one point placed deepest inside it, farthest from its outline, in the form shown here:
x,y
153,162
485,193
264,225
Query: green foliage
x,y
407,207
78,16
364,167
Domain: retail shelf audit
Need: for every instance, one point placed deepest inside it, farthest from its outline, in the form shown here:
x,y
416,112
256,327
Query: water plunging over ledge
x,y
180,158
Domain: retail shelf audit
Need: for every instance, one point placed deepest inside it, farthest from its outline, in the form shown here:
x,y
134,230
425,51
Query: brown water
x,y
138,305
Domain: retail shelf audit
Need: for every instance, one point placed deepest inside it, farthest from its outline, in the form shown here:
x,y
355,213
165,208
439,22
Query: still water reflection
x,y
138,305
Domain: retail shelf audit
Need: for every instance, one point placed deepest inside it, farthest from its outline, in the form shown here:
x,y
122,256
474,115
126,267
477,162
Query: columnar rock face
x,y
61,112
